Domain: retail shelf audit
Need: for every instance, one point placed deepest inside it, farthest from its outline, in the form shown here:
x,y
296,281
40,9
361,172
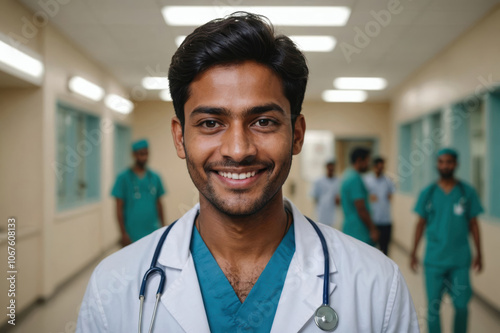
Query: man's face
x,y
238,138
141,157
364,164
379,168
446,166
330,169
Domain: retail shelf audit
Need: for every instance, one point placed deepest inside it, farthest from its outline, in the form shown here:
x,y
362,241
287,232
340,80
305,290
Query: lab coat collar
x,y
175,251
302,292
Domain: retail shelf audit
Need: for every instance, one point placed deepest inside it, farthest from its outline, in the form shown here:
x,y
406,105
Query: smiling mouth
x,y
237,176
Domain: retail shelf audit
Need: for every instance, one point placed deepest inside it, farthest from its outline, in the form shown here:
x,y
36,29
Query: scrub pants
x,y
455,281
385,237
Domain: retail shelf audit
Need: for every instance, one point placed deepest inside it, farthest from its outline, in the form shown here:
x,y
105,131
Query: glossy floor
x,y
59,314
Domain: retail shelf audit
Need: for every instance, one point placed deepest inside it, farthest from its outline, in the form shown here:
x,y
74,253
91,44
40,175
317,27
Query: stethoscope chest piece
x,y
326,318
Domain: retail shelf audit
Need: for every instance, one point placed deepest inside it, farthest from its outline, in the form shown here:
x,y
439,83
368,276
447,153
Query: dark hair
x,y
236,38
359,153
378,160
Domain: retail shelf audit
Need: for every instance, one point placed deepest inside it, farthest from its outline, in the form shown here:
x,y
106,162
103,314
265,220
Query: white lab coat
x,y
366,288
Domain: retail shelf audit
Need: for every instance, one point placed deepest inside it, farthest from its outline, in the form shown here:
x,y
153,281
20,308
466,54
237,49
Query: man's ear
x,y
299,132
178,136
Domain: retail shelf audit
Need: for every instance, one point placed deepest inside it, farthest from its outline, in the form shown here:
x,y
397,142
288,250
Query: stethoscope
x,y
325,317
137,192
458,208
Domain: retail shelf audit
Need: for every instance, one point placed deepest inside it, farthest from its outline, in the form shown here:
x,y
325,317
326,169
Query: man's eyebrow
x,y
256,110
216,111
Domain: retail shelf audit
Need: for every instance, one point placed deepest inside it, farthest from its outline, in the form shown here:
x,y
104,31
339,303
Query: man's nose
x,y
238,144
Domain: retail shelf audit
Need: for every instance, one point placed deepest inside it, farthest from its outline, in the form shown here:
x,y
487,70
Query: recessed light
x,y
363,83
347,96
119,104
314,43
85,88
155,82
314,16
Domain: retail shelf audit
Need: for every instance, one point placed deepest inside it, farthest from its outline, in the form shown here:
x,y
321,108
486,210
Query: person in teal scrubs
x,y
448,212
137,191
355,200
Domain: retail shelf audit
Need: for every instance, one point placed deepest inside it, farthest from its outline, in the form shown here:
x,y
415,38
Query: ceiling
x,y
131,39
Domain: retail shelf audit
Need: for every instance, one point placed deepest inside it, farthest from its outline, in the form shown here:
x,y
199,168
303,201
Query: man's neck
x,y
138,169
248,238
447,183
379,174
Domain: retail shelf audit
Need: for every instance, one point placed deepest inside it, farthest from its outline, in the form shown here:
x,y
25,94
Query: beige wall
x,y
51,246
151,120
460,71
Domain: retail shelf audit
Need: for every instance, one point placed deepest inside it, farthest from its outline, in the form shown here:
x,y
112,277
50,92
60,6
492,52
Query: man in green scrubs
x,y
355,200
448,211
137,191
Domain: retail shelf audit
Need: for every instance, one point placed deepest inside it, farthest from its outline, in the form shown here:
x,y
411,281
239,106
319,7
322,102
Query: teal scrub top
x,y
224,310
447,223
139,196
353,188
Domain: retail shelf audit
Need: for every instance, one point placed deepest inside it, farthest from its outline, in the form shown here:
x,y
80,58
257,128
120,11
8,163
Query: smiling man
x,y
244,259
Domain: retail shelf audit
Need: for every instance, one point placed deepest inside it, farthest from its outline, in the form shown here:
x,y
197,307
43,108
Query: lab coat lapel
x,y
182,296
303,289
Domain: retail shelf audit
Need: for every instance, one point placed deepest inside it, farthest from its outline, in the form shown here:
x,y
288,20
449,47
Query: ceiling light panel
x,y
360,83
299,16
86,88
119,104
344,96
155,82
314,43
20,61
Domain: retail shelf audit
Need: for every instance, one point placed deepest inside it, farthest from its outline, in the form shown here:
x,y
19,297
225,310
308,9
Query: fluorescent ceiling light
x,y
20,61
314,43
363,83
86,88
179,40
349,96
165,95
119,104
155,82
324,16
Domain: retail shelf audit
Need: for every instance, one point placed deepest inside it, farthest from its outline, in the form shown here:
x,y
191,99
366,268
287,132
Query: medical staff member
x,y
380,188
355,199
448,211
244,259
325,193
138,190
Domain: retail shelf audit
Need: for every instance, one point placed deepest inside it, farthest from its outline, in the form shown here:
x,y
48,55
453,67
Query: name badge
x,y
458,209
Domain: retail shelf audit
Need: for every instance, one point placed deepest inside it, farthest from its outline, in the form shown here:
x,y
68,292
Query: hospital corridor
x,y
250,166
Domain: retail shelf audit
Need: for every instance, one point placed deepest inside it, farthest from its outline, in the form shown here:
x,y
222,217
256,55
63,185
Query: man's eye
x,y
210,124
264,122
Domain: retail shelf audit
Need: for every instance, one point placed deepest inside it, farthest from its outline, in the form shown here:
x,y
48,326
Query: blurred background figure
x,y
448,210
380,188
325,193
137,191
355,200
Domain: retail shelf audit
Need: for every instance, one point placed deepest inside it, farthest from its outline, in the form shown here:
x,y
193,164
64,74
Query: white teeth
x,y
236,175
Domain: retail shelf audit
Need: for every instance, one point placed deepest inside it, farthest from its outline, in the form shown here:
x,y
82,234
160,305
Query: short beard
x,y
446,174
246,208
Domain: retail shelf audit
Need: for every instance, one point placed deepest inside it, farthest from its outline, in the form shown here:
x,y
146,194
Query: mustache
x,y
234,164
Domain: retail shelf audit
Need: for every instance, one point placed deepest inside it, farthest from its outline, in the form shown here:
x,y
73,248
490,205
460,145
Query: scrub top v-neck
x,y
224,310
